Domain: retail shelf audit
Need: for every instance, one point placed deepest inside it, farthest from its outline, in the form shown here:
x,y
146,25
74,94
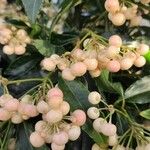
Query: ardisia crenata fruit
x,y
94,97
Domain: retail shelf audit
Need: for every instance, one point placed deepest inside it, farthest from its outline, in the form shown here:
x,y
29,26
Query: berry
x,y
113,66
140,147
48,64
112,51
55,92
112,5
60,138
65,108
147,147
140,61
4,114
91,63
42,107
126,63
54,116
135,21
95,73
98,123
55,101
16,118
5,98
112,140
115,40
30,110
67,75
19,50
12,105
120,147
48,138
39,126
54,146
78,69
80,117
21,34
95,147
118,19
8,49
93,112
74,133
94,97
143,49
77,54
36,140
108,129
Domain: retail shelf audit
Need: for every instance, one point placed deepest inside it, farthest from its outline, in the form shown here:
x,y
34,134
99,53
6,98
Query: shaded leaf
x,y
145,114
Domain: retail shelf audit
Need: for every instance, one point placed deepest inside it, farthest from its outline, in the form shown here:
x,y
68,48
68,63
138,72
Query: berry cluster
x,y
119,13
97,56
17,111
56,128
14,40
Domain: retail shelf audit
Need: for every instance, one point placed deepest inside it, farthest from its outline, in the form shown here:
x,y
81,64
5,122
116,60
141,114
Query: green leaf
x,y
104,84
76,94
139,92
32,8
44,47
145,114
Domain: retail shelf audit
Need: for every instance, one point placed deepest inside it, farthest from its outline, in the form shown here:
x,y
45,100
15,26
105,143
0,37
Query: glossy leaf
x,y
145,114
32,8
139,92
76,94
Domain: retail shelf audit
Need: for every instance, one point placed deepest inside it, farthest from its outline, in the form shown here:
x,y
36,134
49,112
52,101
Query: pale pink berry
x,y
112,140
55,92
78,54
130,13
78,69
97,124
16,118
60,138
43,107
12,105
140,61
55,58
118,19
27,40
93,112
55,101
63,63
135,21
112,5
115,40
54,146
36,140
91,63
108,129
20,50
80,117
67,74
48,138
4,99
74,132
8,49
113,66
54,116
65,107
40,125
95,73
21,108
112,51
21,34
25,117
94,97
4,114
48,64
143,49
126,63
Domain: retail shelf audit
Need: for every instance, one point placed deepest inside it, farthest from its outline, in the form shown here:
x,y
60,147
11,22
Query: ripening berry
x,y
20,49
55,101
78,69
43,107
78,54
63,63
36,140
112,51
40,125
21,34
91,63
60,138
140,61
54,146
80,117
112,5
55,92
74,132
147,147
65,108
54,116
112,140
94,97
143,49
27,99
4,114
48,64
5,98
135,21
126,63
93,112
87,42
108,129
115,40
8,49
95,147
95,73
55,58
30,110
118,19
113,66
16,118
67,74
97,123
27,40
12,105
